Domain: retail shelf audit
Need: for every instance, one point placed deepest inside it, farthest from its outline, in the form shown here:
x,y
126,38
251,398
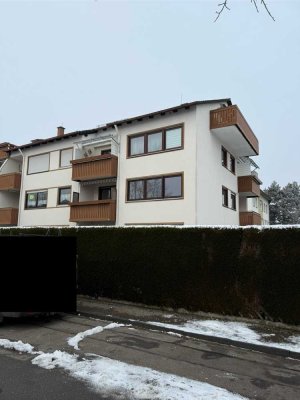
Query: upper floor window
x,y
225,196
156,141
161,187
36,199
233,200
66,156
224,157
39,163
232,164
64,195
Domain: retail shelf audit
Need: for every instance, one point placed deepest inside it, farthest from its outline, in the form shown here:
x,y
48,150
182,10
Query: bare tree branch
x,y
266,7
224,5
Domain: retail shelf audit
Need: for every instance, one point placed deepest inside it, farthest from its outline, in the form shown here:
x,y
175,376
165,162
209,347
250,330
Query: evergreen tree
x,y
285,203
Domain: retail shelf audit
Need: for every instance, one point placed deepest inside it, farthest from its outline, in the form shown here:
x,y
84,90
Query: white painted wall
x,y
211,175
159,211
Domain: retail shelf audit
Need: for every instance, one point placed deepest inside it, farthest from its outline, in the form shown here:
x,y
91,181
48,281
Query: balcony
x,y
8,216
3,154
91,168
93,211
232,129
250,218
11,182
249,186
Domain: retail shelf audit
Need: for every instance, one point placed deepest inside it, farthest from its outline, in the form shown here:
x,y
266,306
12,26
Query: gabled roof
x,y
186,106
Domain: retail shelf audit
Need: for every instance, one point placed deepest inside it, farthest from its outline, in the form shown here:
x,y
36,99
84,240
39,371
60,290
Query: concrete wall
x,y
211,175
178,161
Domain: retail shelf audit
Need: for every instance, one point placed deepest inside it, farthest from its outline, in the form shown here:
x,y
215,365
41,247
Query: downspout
x,y
118,177
21,188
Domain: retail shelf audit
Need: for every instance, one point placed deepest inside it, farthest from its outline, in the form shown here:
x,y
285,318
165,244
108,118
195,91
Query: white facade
x,y
196,163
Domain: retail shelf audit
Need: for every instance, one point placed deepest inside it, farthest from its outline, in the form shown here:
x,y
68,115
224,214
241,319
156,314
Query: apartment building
x,y
186,165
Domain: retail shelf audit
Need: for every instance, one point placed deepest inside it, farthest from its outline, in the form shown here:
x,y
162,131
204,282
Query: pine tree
x,y
285,203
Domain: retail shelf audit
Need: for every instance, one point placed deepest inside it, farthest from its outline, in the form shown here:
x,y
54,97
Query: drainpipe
x,y
118,177
21,188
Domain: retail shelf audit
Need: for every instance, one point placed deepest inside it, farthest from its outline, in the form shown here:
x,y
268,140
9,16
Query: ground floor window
x,y
36,199
64,195
154,188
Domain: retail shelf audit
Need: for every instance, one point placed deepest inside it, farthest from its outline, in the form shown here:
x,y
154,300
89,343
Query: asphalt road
x,y
20,380
252,374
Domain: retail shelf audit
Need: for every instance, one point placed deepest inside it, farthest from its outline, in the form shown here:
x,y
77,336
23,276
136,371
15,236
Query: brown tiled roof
x,y
121,122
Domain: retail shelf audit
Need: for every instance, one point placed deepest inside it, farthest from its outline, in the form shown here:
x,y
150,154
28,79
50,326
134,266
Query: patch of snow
x,y
231,330
18,346
174,334
73,341
122,381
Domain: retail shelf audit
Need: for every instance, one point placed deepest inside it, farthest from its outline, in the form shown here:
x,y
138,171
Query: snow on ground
x,y
18,346
73,341
124,381
232,330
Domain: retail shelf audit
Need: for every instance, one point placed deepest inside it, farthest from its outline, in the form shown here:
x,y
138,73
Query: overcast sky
x,y
84,63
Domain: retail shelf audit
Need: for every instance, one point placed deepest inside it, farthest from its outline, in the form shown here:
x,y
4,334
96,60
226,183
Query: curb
x,y
215,339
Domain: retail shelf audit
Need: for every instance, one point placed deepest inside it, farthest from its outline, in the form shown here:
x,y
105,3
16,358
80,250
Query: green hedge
x,y
246,272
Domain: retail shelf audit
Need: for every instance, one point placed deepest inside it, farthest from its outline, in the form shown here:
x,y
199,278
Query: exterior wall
x,y
56,177
159,211
211,175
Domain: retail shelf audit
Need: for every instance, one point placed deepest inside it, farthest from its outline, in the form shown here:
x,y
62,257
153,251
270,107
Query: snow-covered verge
x,y
124,381
232,330
73,341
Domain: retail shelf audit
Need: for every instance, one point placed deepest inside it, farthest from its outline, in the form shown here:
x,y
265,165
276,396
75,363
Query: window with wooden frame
x,y
224,157
155,188
36,199
224,196
64,195
160,140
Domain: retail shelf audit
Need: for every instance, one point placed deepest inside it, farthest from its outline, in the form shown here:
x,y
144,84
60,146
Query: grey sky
x,y
84,63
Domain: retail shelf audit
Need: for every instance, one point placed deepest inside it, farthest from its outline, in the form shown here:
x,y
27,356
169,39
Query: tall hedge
x,y
247,272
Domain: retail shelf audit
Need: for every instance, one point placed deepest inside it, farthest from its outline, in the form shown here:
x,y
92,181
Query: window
x,y
233,200
232,164
225,197
104,193
135,190
137,145
161,187
150,142
64,195
37,164
36,199
224,157
155,142
66,156
173,138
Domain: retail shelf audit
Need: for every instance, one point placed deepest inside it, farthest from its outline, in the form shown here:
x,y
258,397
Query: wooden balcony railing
x,y
232,116
8,216
250,218
249,186
3,154
90,168
93,211
10,181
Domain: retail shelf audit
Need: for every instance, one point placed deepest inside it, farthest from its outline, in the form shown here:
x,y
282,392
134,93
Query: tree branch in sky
x,y
224,5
